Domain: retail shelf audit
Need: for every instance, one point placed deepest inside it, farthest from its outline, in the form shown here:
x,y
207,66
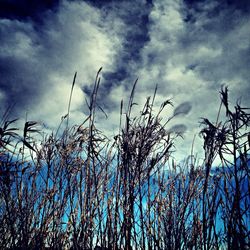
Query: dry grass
x,y
82,190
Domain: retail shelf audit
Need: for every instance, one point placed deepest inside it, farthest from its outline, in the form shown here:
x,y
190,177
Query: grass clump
x,y
82,190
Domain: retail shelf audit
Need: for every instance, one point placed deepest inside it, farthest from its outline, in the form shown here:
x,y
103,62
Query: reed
x,y
79,189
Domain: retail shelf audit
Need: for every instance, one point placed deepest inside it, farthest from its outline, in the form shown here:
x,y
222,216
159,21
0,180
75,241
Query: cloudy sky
x,y
188,48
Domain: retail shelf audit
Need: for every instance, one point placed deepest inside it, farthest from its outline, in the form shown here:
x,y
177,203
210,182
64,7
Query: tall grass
x,y
82,190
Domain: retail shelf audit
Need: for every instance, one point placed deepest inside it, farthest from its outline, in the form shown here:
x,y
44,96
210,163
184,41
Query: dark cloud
x,y
178,129
26,9
99,3
198,5
183,109
136,20
21,71
17,81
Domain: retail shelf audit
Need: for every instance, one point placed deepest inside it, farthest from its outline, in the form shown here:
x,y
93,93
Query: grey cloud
x,y
194,49
183,109
21,75
225,35
134,36
178,129
37,61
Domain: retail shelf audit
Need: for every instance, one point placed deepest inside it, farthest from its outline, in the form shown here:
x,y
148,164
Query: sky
x,y
188,48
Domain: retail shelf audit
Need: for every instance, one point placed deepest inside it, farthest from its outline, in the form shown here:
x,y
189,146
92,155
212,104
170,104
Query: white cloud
x,y
79,41
190,61
54,103
75,38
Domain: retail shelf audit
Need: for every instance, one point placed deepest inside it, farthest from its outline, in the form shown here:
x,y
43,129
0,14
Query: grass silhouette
x,y
82,190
